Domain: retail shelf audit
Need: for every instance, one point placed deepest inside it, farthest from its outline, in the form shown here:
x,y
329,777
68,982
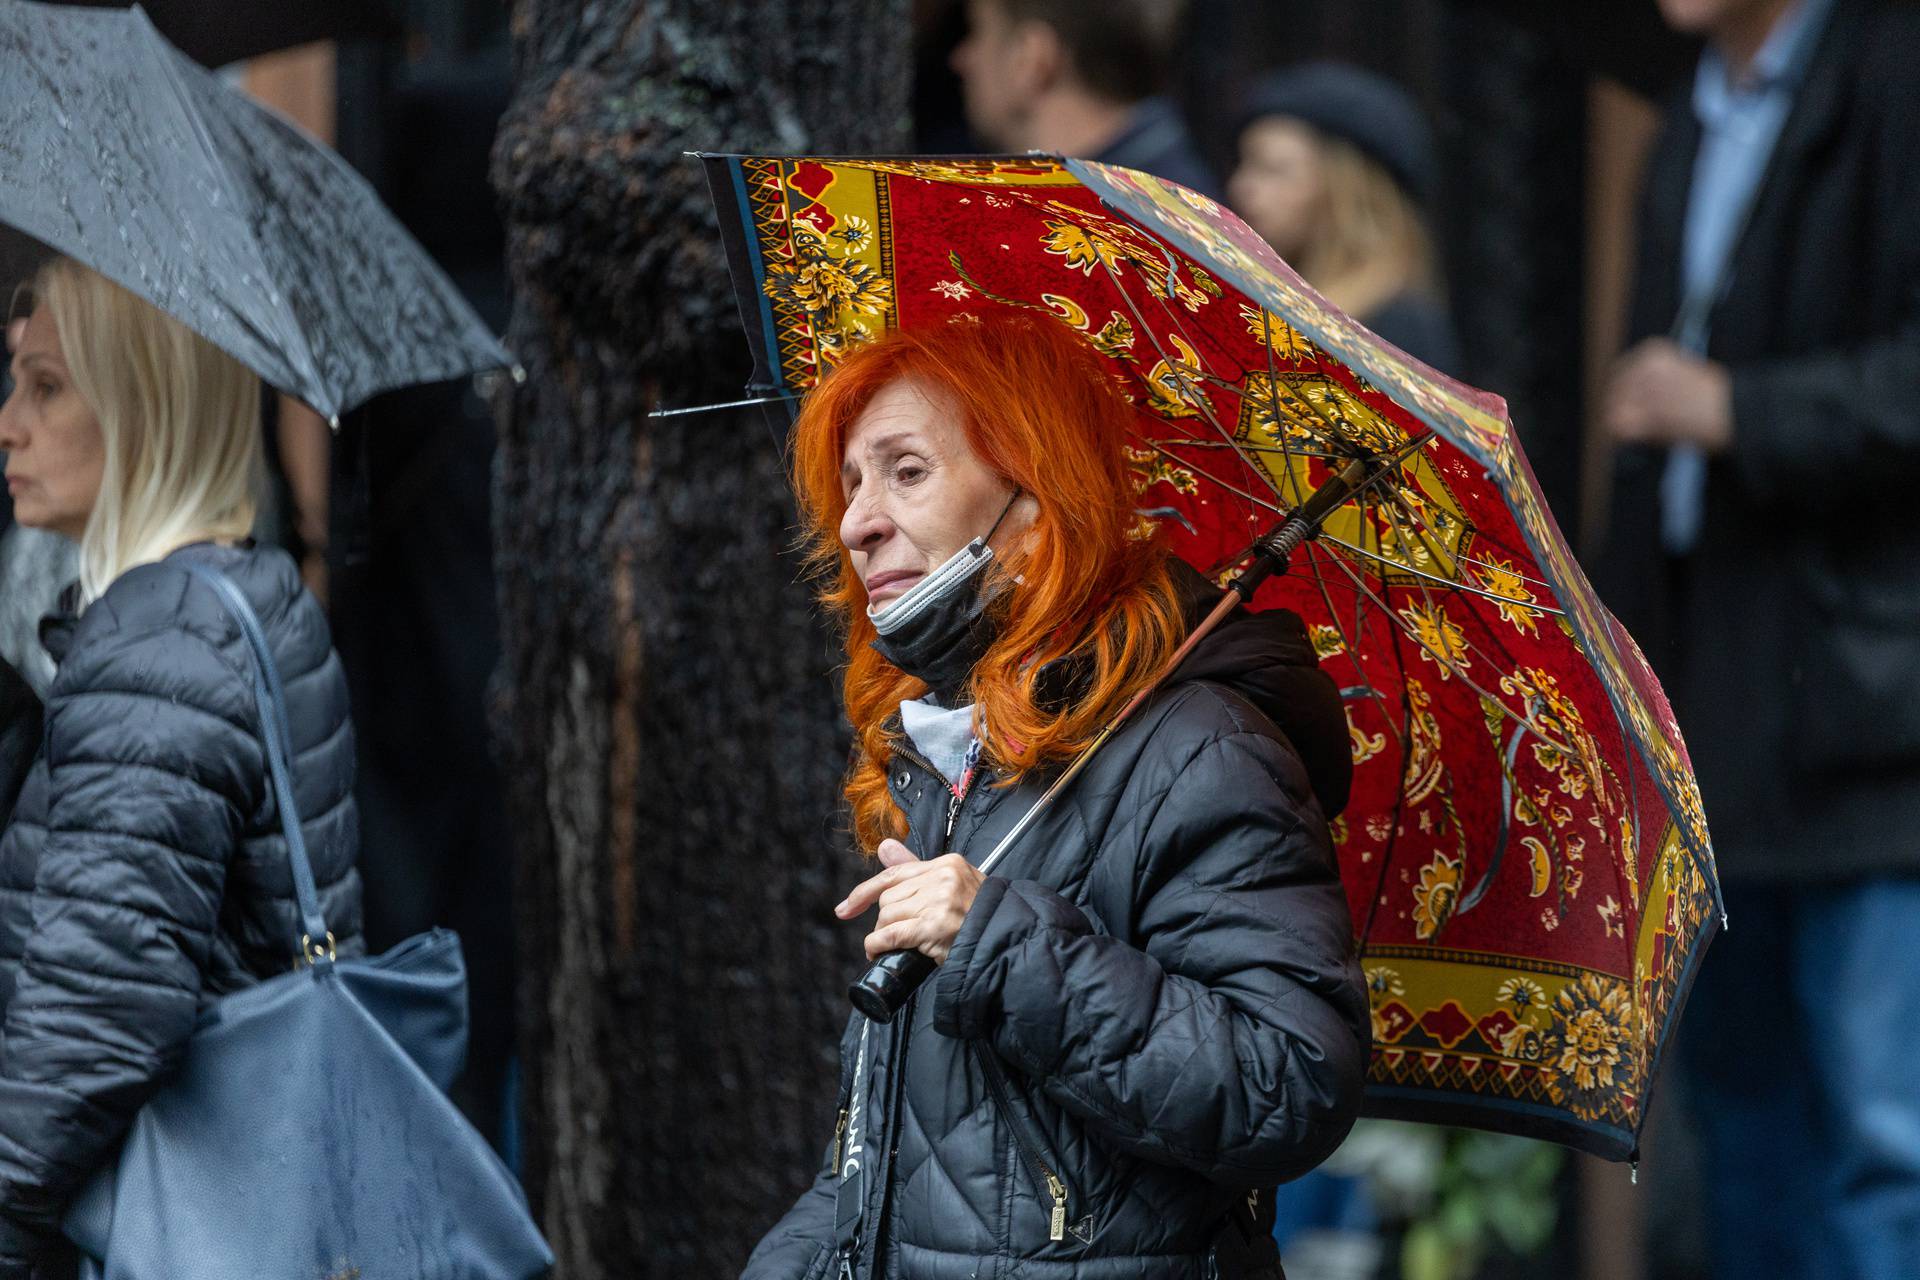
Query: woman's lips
x,y
885,586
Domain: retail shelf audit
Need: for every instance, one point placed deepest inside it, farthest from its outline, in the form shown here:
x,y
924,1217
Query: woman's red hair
x,y
1038,406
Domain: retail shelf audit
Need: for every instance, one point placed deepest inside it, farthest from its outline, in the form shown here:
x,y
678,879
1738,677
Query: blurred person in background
x,y
1761,546
1081,79
1336,167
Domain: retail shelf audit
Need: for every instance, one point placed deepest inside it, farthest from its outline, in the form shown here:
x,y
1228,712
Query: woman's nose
x,y
863,526
11,437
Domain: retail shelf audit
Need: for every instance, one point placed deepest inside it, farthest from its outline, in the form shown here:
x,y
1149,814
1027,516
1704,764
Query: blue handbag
x,y
307,1135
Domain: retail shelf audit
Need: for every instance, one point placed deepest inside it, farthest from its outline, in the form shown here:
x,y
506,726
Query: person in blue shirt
x,y
1761,547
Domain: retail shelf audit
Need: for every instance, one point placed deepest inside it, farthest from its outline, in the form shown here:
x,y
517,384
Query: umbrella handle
x,y
883,989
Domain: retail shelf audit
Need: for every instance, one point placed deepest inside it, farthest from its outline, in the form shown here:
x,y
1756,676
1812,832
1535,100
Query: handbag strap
x,y
271,701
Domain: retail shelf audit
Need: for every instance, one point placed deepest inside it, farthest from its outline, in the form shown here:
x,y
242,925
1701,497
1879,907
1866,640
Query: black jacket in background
x,y
1790,640
1155,997
19,736
1156,141
143,872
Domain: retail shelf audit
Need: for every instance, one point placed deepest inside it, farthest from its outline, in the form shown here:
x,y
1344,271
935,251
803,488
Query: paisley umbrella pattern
x,y
1525,853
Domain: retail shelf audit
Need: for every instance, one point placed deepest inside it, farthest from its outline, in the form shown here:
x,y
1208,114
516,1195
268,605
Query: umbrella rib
x,y
1390,563
1446,660
1241,446
1205,405
1267,503
293,341
1527,726
1453,670
1353,648
1483,536
1281,432
1431,536
1378,898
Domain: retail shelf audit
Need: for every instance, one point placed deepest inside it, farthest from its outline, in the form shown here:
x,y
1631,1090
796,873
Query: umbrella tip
x,y
333,422
519,375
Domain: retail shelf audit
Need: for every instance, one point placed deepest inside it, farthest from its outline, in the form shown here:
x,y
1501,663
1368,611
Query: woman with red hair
x,y
1152,1011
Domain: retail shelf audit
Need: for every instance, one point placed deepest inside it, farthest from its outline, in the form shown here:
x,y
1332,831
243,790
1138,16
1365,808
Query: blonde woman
x,y
1335,167
140,874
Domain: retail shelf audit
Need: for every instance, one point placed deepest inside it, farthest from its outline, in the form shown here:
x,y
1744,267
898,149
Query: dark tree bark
x,y
666,707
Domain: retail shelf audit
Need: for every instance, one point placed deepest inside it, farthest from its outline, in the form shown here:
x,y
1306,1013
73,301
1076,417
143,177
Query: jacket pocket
x,y
1043,1168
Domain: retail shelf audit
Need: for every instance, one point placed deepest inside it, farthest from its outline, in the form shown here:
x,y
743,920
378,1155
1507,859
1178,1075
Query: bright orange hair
x,y
1039,407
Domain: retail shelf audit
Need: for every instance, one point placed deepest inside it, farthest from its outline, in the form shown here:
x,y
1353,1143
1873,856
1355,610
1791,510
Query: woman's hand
x,y
922,904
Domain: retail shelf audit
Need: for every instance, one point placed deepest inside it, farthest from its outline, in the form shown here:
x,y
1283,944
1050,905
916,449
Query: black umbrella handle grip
x,y
889,983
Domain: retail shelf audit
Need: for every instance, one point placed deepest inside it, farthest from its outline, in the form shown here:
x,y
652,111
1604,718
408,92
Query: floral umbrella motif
x,y
1524,853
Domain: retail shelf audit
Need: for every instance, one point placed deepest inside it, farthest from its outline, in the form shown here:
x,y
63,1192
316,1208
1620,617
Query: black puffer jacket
x,y
142,873
1154,999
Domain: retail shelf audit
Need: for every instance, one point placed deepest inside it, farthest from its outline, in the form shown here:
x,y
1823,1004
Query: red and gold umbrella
x,y
1524,852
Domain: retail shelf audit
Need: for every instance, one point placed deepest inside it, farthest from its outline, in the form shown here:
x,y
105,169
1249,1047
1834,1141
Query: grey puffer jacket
x,y
142,873
1152,1010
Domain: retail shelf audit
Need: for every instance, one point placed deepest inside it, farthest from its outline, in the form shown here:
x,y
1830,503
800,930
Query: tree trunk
x,y
666,709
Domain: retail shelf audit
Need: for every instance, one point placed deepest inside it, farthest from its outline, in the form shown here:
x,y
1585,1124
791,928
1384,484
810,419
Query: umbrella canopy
x,y
120,152
1524,853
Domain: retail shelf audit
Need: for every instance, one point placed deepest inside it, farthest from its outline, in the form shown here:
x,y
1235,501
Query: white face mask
x,y
941,627
960,568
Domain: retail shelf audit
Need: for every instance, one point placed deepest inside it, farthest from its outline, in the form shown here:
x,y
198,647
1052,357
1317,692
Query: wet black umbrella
x,y
119,151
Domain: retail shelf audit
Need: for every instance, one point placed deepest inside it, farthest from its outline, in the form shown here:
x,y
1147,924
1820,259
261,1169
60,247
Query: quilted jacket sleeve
x,y
152,763
1232,1039
19,735
800,1242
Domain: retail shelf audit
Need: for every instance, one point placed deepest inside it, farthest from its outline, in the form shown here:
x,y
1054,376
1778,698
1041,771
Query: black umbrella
x,y
216,32
119,151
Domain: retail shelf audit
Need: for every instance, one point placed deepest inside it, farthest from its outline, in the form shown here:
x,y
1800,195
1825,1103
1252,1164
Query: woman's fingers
x,y
924,911
868,891
893,854
914,934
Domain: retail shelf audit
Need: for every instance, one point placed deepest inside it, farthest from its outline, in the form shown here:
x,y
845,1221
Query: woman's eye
x,y
909,472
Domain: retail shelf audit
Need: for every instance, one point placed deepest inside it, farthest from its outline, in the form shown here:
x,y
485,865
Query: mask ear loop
x,y
1001,518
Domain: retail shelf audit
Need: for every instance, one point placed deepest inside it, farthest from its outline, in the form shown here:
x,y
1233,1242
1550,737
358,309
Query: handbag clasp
x,y
311,952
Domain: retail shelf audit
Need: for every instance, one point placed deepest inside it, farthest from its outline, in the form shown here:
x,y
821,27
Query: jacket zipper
x,y
903,749
1043,1177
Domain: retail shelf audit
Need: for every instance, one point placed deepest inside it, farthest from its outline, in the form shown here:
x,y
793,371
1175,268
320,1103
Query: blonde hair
x,y
179,418
1373,244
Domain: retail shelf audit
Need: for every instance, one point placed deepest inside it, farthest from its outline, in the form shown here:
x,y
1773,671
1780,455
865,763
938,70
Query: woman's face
x,y
916,493
1279,188
55,451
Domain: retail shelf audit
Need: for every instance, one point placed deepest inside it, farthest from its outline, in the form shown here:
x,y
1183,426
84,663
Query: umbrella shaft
x,y
1229,600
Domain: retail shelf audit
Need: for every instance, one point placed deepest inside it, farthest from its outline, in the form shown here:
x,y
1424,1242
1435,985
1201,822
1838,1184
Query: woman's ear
x,y
1011,537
